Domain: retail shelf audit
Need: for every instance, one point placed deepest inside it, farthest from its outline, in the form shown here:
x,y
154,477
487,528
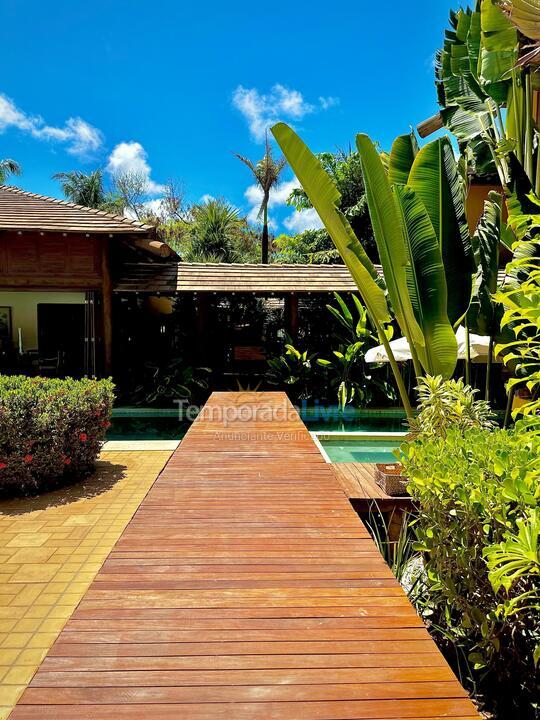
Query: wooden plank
x,y
357,481
245,587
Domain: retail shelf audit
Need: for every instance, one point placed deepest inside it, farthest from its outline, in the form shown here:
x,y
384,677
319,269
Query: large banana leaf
x,y
388,233
426,282
325,197
435,179
483,316
498,50
404,150
525,14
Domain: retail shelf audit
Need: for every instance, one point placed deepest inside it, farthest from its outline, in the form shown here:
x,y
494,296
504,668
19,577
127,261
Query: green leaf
x,y
389,238
435,180
404,150
325,198
525,14
498,50
344,309
482,315
427,285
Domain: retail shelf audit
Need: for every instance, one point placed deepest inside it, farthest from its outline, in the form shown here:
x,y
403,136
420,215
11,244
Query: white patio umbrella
x,y
479,345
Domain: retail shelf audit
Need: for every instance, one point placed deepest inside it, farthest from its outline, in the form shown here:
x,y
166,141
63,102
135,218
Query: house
x,y
85,292
58,262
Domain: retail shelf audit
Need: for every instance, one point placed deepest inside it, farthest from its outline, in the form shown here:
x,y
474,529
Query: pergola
x,y
202,281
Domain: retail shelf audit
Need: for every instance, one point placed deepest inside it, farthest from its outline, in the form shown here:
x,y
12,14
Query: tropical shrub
x,y
445,404
51,430
478,528
294,369
165,381
520,295
347,371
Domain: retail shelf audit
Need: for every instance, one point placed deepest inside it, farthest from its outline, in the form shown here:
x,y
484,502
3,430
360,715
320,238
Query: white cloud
x,y
80,137
131,157
278,197
308,219
206,198
328,102
281,103
296,222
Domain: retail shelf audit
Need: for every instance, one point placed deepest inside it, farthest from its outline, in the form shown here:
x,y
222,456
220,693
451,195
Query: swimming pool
x,y
359,447
135,423
146,424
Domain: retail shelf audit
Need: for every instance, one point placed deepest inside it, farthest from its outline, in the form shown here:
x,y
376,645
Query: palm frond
x,y
9,167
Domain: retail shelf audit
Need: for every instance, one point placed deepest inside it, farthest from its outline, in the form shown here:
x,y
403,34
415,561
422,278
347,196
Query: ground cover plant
x,y
51,430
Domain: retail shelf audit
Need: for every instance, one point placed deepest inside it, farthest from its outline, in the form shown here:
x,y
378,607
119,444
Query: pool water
x,y
147,428
361,450
135,423
355,423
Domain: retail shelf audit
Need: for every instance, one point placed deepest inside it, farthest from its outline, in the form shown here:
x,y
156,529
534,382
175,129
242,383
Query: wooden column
x,y
107,307
202,325
291,315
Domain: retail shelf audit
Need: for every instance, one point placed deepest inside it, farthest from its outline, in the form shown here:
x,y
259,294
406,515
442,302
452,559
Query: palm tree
x,y
214,232
8,167
87,189
266,173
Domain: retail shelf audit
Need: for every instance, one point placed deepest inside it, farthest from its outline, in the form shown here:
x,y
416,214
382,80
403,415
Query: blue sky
x,y
173,89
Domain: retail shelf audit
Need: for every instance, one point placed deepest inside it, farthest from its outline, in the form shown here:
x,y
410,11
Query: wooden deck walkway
x,y
244,587
358,482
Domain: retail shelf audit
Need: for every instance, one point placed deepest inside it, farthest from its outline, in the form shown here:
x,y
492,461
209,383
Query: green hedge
x,y
478,528
51,430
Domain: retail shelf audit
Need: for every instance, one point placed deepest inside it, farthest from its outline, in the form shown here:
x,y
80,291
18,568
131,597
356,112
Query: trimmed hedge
x,y
51,431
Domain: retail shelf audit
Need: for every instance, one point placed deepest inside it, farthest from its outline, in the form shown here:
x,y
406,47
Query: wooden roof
x,y
227,278
223,277
21,210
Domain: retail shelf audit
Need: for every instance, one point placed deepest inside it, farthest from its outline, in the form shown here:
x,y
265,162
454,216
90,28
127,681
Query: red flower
x,y
28,458
67,461
83,437
105,424
2,465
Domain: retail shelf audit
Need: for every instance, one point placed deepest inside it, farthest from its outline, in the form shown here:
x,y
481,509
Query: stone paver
x,y
51,547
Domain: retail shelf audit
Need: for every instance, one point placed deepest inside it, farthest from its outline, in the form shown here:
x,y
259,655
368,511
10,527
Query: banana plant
x,y
435,179
475,72
409,247
325,198
485,313
525,14
432,215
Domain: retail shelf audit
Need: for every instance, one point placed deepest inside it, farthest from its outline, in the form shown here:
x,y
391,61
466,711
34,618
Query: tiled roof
x,y
21,210
223,277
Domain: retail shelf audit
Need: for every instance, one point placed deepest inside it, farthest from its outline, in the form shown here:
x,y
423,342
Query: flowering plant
x,y
51,431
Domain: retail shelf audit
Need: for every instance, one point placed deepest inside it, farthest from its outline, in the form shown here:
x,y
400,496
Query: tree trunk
x,y
264,239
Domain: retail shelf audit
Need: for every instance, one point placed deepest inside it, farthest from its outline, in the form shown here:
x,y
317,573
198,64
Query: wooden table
x,y
245,586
